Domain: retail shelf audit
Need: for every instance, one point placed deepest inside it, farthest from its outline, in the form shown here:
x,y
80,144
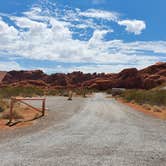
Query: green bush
x,y
1,109
115,91
152,97
109,91
4,105
57,92
8,92
16,115
83,91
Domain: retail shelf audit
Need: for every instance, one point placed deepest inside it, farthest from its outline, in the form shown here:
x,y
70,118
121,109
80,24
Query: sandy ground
x,y
96,131
137,107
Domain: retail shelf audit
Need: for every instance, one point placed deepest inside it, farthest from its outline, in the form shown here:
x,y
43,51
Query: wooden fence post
x,y
11,110
43,107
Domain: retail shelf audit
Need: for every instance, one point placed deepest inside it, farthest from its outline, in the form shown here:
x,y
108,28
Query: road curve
x,y
102,132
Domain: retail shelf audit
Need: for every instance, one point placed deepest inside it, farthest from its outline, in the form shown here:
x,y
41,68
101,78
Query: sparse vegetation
x,y
70,95
3,105
56,92
4,110
146,106
152,97
83,91
16,115
115,91
7,92
156,108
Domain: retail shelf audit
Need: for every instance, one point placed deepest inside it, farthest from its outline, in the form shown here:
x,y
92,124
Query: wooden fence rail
x,y
23,101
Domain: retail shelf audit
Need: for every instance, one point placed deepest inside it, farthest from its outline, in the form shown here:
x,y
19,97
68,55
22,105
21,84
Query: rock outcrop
x,y
2,75
132,78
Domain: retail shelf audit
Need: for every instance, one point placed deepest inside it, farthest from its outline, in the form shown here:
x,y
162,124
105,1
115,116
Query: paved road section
x,y
96,131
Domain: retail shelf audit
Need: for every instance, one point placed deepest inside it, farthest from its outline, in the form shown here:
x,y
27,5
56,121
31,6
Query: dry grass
x,y
4,105
151,97
8,92
16,115
156,109
147,106
5,112
151,102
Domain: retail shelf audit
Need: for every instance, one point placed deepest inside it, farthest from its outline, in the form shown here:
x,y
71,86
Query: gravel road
x,y
95,131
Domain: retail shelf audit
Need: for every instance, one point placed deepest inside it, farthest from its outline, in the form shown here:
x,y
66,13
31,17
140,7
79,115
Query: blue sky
x,y
88,35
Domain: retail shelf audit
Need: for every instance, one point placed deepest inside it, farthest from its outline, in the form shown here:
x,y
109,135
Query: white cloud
x,y
6,31
100,14
45,37
107,68
7,66
97,37
133,26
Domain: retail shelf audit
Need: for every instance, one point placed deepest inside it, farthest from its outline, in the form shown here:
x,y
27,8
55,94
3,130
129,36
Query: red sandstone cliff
x,y
147,78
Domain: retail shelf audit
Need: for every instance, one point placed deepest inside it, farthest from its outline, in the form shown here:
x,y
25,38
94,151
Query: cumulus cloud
x,y
97,37
7,66
7,32
43,36
133,26
100,14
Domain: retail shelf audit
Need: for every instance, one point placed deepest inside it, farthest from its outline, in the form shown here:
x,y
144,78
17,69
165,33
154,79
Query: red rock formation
x,y
147,78
16,76
154,75
2,75
129,79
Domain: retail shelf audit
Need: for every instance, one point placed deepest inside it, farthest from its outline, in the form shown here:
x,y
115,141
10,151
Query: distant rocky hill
x,y
147,78
2,75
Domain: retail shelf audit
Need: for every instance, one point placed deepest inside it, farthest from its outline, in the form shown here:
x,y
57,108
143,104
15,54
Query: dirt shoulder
x,y
56,113
141,108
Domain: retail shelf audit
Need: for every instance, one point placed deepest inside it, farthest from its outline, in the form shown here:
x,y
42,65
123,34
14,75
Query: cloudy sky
x,y
86,35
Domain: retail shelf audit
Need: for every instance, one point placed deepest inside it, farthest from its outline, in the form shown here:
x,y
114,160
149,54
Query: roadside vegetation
x,y
152,97
151,101
7,92
3,105
4,110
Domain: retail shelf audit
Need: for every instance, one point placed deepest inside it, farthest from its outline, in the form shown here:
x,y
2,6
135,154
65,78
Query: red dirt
x,y
28,116
159,115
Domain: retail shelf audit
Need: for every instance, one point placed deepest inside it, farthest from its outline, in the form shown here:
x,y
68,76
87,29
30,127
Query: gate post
x,y
11,110
43,107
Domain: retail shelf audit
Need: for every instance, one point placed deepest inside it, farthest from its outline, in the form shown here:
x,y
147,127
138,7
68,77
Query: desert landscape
x,y
110,119
82,83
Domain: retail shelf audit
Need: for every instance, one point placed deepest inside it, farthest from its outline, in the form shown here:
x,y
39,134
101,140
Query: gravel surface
x,y
96,131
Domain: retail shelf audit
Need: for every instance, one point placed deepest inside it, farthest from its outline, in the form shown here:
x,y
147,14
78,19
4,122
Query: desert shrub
x,y
82,91
53,92
152,97
1,109
57,92
3,105
115,91
109,91
7,92
16,115
156,109
147,106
